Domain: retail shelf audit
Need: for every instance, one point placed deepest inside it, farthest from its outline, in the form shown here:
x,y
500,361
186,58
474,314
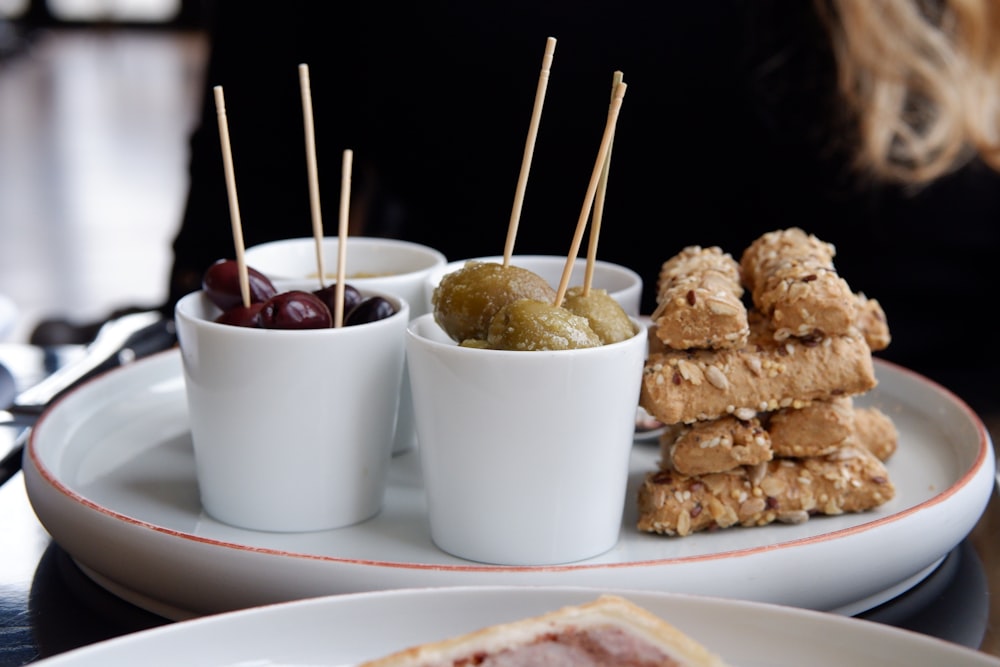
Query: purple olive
x,y
328,295
241,316
296,309
221,283
371,309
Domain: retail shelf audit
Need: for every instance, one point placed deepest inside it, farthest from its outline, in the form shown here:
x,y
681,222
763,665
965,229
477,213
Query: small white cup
x,y
621,283
386,265
292,429
524,455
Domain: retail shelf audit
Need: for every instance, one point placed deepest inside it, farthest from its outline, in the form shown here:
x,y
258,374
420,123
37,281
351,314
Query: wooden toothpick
x,y
598,217
345,204
314,205
529,149
591,191
234,206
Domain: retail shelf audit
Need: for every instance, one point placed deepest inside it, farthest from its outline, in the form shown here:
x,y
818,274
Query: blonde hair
x,y
921,80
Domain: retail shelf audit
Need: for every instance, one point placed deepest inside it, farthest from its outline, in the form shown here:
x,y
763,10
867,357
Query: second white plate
x,y
109,470
346,629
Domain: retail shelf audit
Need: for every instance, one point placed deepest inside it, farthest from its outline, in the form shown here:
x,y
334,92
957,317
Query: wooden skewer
x,y
234,206
591,191
345,203
317,216
529,149
598,217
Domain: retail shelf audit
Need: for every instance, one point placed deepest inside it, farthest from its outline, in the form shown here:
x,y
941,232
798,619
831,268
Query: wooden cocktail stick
x,y
529,149
581,224
234,206
598,217
314,205
345,204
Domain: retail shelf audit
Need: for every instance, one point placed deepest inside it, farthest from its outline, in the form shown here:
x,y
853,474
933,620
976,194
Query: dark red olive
x,y
371,309
328,295
296,309
221,284
241,316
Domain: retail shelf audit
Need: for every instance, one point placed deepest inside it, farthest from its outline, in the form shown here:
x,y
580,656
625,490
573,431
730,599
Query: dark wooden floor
x,y
93,158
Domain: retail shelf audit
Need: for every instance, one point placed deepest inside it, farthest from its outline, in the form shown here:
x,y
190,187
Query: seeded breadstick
x,y
872,323
694,260
762,376
699,301
851,479
714,446
792,280
876,432
823,426
815,430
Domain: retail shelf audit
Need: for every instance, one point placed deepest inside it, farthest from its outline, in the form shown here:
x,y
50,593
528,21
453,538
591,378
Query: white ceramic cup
x,y
524,455
621,283
387,265
292,429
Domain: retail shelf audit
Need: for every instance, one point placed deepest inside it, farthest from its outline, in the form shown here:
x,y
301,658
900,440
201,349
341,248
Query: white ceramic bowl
x,y
292,429
525,455
380,264
385,265
622,283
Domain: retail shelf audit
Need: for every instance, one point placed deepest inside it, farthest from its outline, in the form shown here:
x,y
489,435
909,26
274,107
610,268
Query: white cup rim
x,y
432,257
185,309
453,265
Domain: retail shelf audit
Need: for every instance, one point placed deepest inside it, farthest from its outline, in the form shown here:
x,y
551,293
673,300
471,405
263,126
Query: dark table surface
x,y
49,606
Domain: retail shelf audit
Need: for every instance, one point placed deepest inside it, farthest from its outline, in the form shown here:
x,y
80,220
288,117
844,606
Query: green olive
x,y
527,324
466,300
605,315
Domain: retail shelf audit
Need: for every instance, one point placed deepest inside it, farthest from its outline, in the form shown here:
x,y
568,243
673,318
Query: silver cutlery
x,y
118,342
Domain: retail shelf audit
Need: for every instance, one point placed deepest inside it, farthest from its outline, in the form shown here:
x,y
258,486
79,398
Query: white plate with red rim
x,y
109,471
347,629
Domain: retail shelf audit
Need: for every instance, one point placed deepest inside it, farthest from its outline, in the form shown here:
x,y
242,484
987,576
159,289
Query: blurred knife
x,y
118,342
8,386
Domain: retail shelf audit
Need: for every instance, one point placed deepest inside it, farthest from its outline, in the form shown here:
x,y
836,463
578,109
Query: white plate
x,y
109,471
347,629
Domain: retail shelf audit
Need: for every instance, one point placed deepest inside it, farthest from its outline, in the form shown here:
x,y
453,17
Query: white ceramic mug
x,y
621,283
524,455
381,264
292,429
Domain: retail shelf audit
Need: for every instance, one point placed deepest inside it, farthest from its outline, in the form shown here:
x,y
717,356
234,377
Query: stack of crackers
x,y
758,399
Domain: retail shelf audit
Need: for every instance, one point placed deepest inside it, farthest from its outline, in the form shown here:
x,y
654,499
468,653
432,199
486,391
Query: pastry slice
x,y
609,630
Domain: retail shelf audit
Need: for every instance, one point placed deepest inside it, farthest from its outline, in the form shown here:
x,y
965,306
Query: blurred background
x,y
97,98
97,101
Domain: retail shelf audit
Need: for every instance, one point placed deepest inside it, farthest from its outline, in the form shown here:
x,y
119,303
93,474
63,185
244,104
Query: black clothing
x,y
730,128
